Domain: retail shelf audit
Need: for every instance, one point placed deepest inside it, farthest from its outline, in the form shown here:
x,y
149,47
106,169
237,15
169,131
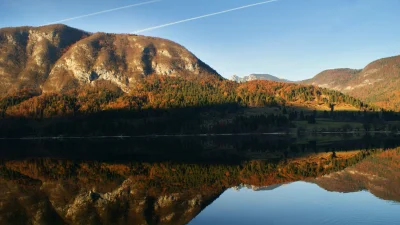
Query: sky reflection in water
x,y
298,203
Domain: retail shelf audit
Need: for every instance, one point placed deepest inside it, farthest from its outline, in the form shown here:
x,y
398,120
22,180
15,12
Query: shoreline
x,y
187,135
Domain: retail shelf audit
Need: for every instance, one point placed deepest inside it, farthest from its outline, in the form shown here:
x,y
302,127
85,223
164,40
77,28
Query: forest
x,y
177,105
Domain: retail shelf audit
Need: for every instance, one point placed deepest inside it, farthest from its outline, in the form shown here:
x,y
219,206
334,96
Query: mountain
x,y
332,79
58,58
57,70
252,77
378,82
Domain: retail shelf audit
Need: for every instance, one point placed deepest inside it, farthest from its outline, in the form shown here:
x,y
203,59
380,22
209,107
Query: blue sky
x,y
293,39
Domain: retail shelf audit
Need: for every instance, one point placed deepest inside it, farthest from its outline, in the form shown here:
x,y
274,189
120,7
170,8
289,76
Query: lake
x,y
249,179
298,203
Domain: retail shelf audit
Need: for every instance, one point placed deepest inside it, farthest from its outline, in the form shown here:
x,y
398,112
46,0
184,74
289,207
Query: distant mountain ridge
x,y
252,77
378,82
333,78
58,58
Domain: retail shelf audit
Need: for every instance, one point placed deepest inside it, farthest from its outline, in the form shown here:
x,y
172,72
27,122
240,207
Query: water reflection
x,y
229,149
172,181
378,174
298,203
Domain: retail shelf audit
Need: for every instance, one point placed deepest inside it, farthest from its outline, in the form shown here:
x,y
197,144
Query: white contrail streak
x,y
200,17
104,11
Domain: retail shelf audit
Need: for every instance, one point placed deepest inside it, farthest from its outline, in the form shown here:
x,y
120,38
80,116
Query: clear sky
x,y
292,39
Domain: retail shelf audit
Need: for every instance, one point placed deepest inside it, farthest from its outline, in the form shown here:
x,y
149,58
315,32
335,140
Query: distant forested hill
x,y
377,83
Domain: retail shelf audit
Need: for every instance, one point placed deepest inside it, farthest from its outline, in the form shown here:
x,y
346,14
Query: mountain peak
x,y
57,57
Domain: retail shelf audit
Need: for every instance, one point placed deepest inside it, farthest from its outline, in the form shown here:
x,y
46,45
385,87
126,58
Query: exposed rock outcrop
x,y
59,58
28,54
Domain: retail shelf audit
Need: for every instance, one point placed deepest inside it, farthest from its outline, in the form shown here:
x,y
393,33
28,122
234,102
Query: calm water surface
x,y
201,180
298,203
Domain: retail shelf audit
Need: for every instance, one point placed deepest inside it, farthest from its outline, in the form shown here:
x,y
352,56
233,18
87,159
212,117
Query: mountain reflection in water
x,y
248,181
298,203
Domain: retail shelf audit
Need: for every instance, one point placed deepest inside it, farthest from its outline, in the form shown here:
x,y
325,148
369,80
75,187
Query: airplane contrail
x,y
200,17
104,11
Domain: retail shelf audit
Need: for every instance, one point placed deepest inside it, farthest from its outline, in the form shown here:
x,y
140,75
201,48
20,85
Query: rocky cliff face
x,y
28,54
58,58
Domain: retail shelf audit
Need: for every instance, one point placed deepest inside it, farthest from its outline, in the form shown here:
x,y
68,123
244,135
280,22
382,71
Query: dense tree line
x,y
173,105
162,92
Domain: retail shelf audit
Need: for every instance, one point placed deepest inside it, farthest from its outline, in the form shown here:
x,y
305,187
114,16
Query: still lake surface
x,y
298,203
260,179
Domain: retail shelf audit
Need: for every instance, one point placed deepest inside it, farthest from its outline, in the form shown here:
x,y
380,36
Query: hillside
x,y
378,82
332,79
66,81
60,58
163,92
177,105
252,77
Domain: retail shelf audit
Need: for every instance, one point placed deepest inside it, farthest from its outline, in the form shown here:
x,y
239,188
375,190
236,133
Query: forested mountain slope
x,y
163,92
378,82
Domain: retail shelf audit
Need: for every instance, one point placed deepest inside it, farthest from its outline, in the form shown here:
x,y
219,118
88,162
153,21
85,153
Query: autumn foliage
x,y
162,92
